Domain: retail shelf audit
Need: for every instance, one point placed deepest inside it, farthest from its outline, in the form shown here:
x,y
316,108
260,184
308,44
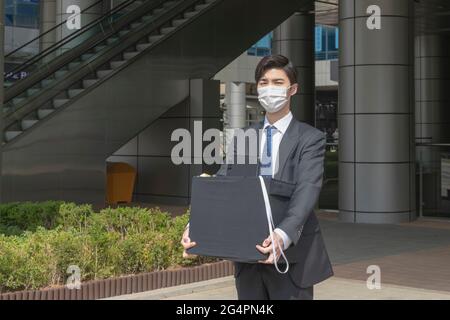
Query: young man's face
x,y
277,77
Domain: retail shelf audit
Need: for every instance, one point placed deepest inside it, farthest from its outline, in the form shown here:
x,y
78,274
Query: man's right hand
x,y
186,243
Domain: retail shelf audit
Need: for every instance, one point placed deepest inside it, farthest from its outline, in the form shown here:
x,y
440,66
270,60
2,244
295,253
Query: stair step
x,y
18,100
46,82
178,22
99,48
155,37
112,40
9,135
73,65
168,4
32,91
74,92
129,55
167,30
87,56
124,32
190,14
89,82
147,18
135,25
200,7
117,64
59,102
27,123
103,73
42,113
142,46
60,73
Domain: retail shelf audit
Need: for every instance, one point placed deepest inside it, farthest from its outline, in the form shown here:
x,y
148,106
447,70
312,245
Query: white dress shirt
x,y
281,126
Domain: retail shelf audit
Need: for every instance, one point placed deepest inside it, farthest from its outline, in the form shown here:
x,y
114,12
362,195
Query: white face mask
x,y
273,98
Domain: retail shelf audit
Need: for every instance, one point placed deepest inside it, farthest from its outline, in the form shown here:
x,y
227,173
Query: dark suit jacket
x,y
299,176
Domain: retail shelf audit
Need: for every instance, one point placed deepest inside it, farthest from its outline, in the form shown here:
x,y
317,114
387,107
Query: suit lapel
x,y
258,128
288,142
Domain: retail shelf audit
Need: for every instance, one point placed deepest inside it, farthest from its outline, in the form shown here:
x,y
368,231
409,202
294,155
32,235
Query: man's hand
x,y
186,243
267,248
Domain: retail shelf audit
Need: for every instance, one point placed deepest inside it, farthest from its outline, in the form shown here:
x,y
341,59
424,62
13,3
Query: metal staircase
x,y
134,37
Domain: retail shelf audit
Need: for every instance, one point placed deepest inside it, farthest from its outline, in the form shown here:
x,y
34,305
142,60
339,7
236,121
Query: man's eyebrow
x,y
277,79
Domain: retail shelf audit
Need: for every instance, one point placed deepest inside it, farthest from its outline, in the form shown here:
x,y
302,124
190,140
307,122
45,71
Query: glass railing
x,y
52,44
327,55
433,180
328,198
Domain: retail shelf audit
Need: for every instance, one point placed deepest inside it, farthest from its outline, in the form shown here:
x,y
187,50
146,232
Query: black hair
x,y
276,61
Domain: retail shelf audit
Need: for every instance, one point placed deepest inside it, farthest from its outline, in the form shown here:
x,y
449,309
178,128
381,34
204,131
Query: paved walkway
x,y
414,260
332,289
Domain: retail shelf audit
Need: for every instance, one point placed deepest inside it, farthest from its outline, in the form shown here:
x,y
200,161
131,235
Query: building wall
x,y
17,36
323,76
159,180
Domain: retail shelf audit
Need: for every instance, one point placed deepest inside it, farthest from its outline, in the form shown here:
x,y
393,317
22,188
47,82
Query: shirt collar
x,y
282,124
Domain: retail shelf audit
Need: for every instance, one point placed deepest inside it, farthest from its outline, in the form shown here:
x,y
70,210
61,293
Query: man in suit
x,y
292,152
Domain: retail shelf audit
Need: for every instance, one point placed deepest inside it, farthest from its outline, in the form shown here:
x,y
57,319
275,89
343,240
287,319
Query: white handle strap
x,y
271,226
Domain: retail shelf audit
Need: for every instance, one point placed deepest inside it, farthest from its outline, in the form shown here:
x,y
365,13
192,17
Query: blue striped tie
x,y
265,168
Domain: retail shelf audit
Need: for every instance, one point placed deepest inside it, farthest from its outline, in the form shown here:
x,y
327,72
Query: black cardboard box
x,y
228,215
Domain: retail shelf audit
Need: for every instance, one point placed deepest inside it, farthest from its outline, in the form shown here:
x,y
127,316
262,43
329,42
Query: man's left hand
x,y
266,248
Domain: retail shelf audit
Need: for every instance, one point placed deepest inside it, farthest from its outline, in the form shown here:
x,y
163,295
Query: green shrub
x,y
17,217
24,264
131,220
35,251
72,215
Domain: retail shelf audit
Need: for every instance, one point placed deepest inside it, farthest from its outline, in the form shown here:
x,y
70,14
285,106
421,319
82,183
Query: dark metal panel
x,y
156,139
130,148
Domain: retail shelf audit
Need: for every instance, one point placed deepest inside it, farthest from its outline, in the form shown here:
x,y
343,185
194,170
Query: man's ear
x,y
294,89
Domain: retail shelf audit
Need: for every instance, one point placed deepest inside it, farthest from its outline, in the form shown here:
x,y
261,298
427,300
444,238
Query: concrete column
x,y
294,39
376,112
236,104
432,83
47,21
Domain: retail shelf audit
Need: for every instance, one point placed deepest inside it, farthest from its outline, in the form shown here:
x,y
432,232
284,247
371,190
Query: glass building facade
x,y
326,42
22,13
263,47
